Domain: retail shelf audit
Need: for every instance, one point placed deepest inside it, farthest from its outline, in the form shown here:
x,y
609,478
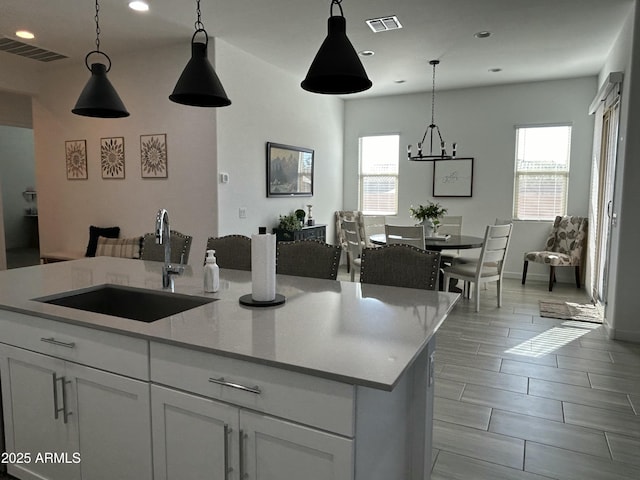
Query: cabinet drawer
x,y
104,350
313,401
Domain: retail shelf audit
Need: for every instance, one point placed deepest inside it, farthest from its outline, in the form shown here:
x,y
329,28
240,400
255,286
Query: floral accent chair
x,y
349,216
563,248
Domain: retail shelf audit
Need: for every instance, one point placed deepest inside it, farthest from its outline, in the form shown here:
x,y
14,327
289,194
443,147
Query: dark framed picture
x,y
453,178
112,157
76,159
153,156
289,171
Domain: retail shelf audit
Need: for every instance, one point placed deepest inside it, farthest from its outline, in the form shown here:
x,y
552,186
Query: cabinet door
x,y
272,449
32,393
193,437
114,424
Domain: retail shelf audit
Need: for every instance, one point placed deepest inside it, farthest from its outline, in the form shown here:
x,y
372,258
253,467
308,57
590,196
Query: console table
x,y
313,232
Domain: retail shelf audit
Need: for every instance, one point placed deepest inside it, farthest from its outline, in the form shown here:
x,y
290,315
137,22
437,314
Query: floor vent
x,y
25,50
384,24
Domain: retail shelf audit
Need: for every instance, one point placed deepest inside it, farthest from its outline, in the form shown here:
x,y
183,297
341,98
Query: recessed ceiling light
x,y
25,34
366,53
495,70
139,6
483,34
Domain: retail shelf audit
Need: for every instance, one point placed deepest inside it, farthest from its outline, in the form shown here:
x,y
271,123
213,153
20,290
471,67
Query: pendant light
x,y
336,69
431,129
99,98
199,86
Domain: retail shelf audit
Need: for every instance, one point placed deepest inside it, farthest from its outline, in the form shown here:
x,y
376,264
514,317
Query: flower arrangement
x,y
432,211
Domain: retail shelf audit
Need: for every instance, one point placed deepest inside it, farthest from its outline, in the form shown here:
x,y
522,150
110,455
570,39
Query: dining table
x,y
452,242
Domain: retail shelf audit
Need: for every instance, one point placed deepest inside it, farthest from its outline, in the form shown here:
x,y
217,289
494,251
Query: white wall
x,y
622,308
144,81
270,106
481,121
16,174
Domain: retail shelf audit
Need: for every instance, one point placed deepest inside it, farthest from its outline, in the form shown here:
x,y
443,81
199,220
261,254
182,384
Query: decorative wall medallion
x,y
153,156
112,157
76,159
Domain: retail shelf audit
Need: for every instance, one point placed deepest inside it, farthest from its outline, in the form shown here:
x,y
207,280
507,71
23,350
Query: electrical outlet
x,y
242,212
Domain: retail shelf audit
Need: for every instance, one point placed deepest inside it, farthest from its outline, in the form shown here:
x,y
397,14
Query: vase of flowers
x,y
429,216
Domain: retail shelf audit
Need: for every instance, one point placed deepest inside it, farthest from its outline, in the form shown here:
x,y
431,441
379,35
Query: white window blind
x,y
542,172
378,176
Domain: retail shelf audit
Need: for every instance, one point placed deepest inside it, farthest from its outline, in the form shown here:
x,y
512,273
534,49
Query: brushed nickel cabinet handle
x,y
227,469
53,341
221,381
56,410
65,412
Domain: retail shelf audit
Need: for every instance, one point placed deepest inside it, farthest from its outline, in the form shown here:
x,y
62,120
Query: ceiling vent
x,y
25,50
384,24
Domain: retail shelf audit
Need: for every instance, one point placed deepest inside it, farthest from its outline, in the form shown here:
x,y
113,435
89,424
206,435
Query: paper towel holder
x,y
248,301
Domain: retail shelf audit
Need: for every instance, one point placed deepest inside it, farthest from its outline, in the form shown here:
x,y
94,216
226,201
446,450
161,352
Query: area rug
x,y
585,312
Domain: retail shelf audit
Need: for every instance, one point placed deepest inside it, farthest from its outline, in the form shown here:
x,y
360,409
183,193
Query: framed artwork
x,y
76,159
153,156
289,171
112,157
453,178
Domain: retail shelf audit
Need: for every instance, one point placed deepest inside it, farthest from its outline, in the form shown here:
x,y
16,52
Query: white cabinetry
x,y
196,437
55,406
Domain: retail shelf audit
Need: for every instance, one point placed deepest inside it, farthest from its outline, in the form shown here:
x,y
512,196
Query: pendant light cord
x,y
336,2
199,25
97,18
433,95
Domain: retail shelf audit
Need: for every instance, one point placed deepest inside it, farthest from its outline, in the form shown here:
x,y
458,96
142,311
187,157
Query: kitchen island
x,y
334,384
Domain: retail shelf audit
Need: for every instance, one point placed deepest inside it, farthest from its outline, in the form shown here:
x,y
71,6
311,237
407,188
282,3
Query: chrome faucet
x,y
163,236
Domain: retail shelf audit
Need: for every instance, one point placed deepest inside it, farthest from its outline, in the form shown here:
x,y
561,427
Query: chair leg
x,y
524,271
476,294
577,276
349,264
552,276
499,287
353,273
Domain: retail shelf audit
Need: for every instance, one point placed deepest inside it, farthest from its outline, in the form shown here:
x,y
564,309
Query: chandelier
x,y
421,155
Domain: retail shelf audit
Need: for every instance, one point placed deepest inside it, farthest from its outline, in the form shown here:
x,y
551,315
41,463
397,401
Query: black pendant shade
x,y
99,98
336,69
199,86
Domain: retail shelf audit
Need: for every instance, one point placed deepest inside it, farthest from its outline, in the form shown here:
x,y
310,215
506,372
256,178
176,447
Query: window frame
x,y
362,176
519,174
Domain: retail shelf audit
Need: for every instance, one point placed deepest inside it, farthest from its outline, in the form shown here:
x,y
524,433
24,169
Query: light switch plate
x,y
224,178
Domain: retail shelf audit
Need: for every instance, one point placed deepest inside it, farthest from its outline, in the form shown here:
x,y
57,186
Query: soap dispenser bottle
x,y
211,273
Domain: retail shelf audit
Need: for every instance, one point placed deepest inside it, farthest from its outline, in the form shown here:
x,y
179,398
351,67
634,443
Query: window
x,y
542,172
378,177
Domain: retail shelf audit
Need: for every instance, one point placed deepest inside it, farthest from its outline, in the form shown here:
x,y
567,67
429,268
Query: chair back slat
x,y
405,234
372,225
450,225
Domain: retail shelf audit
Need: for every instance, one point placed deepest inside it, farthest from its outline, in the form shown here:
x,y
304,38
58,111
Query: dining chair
x,y
372,224
490,263
232,251
400,265
409,235
450,225
180,247
308,258
563,248
349,216
354,246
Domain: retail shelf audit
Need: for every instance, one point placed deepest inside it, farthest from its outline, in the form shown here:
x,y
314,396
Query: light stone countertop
x,y
358,334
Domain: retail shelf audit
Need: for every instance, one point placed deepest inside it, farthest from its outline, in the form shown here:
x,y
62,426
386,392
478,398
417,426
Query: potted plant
x,y
428,215
286,226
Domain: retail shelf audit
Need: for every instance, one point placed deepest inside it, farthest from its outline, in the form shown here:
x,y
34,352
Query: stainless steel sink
x,y
127,302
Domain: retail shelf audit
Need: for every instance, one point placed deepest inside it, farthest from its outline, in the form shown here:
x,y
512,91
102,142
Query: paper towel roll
x,y
263,267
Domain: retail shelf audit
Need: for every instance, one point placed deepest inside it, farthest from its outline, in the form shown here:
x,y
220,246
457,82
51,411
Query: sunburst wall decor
x,y
153,156
112,157
76,159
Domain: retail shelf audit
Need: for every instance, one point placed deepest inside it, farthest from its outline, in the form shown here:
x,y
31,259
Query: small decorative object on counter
x,y
310,220
300,214
211,273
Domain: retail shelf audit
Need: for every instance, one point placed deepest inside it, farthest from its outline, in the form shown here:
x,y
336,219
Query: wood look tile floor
x,y
524,397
